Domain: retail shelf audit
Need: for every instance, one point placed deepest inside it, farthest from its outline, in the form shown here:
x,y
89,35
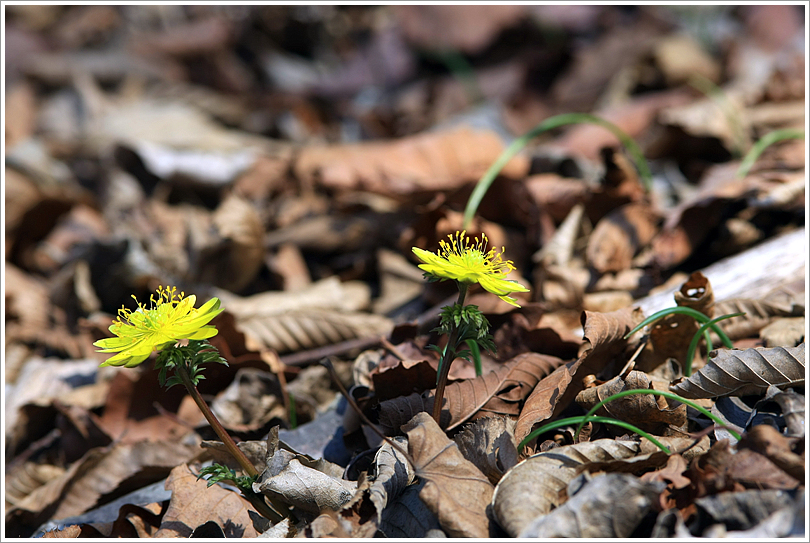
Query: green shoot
x,y
575,420
663,393
486,180
293,413
768,139
476,356
690,354
694,313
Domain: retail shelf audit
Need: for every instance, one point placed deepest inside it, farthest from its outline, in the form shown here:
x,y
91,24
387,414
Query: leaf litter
x,y
285,159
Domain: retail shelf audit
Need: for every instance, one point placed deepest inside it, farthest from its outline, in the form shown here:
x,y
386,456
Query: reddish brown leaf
x,y
499,392
619,235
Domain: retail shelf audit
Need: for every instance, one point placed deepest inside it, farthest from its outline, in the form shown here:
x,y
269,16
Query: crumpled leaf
x,y
792,405
784,332
455,490
298,480
738,510
501,391
489,443
544,477
194,503
648,412
392,474
752,371
603,341
611,505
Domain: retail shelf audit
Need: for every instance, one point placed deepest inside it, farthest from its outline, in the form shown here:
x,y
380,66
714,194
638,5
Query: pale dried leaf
x,y
545,477
455,491
489,443
611,505
329,293
287,479
311,328
739,373
393,474
784,332
194,503
758,314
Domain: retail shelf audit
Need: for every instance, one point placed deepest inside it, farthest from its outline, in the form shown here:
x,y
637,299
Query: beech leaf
x,y
739,373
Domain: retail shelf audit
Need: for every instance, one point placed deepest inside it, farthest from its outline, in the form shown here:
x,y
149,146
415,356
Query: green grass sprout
x,y
690,354
603,420
768,139
670,395
486,180
694,313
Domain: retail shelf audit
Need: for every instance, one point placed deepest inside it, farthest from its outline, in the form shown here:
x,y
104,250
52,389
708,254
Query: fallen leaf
x,y
611,505
408,516
193,503
455,490
619,235
544,477
767,441
602,342
752,371
499,392
431,161
489,443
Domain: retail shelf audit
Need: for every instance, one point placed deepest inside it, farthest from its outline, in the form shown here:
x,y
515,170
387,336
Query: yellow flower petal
x,y
171,318
470,262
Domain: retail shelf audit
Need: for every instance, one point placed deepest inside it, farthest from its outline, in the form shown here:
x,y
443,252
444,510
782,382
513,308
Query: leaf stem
x,y
447,359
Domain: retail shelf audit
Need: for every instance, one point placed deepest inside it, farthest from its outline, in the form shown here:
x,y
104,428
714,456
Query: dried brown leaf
x,y
193,503
767,441
431,161
733,372
758,314
501,391
648,412
545,477
408,516
603,341
784,332
619,235
455,490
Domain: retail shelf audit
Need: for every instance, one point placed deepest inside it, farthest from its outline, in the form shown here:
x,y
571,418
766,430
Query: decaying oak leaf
x,y
739,373
489,443
784,332
619,235
194,503
611,505
603,342
430,161
455,490
650,413
500,392
406,376
544,477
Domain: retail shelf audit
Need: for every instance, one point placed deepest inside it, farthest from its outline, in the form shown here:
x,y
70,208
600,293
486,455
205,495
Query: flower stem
x,y
447,359
227,440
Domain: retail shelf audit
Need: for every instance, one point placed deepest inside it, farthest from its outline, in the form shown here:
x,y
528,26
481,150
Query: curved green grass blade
x,y
663,393
603,420
690,353
486,180
764,142
475,350
694,313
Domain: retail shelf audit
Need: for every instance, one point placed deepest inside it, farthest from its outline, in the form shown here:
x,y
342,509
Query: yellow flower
x,y
171,318
471,263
